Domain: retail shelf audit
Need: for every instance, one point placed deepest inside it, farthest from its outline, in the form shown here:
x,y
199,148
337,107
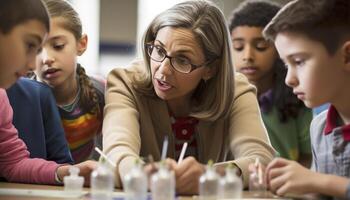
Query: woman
x,y
185,89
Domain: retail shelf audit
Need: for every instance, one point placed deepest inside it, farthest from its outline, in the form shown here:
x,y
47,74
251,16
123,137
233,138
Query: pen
x,y
165,148
182,154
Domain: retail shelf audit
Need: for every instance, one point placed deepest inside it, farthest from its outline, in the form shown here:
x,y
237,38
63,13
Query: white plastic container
x,y
73,184
135,183
102,182
230,185
209,183
163,184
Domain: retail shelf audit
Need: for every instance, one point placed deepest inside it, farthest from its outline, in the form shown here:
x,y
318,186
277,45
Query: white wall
x,y
90,17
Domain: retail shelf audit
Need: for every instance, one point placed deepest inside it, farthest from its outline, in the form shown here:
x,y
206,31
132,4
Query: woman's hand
x,y
187,175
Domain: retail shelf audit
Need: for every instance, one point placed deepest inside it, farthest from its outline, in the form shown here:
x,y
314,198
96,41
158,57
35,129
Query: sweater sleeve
x,y
56,143
249,139
121,140
15,164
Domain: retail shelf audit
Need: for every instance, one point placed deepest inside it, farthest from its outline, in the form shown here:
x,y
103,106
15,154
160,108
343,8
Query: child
x,y
313,39
37,120
23,27
80,98
286,118
186,90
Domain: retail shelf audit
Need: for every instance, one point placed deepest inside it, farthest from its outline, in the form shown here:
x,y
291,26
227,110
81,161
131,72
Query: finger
x,y
150,169
171,163
277,182
188,183
185,164
276,163
283,190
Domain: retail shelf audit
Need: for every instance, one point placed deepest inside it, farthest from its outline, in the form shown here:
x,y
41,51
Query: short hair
x,y
212,98
325,21
15,12
256,13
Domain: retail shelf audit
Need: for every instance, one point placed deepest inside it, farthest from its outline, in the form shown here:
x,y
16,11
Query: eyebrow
x,y
36,37
177,51
57,37
254,39
296,54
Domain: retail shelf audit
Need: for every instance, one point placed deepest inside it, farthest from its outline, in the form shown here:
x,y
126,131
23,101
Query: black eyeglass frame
x,y
149,48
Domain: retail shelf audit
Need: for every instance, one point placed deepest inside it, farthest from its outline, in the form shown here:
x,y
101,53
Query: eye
x,y
262,45
181,60
31,47
299,62
238,46
58,47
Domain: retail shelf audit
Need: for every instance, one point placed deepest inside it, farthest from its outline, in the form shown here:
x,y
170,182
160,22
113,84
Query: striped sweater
x,y
83,129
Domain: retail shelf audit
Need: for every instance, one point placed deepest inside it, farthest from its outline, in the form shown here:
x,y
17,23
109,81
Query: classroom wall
x,y
119,34
118,19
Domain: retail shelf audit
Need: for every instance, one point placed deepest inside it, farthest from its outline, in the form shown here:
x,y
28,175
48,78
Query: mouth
x,y
51,73
300,95
248,70
163,85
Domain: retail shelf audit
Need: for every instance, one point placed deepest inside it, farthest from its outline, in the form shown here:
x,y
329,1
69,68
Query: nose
x,y
165,67
291,79
248,53
30,64
47,59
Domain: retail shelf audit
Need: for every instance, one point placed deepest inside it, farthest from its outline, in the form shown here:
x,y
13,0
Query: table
x,y
4,185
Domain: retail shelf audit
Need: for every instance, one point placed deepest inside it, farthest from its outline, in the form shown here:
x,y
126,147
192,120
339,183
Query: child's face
x,y
252,54
168,83
58,60
315,76
18,50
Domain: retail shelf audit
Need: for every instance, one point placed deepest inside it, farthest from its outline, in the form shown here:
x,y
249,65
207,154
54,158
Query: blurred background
x,y
115,29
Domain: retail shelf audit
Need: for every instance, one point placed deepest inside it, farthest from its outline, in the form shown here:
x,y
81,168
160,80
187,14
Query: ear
x,y
209,73
82,44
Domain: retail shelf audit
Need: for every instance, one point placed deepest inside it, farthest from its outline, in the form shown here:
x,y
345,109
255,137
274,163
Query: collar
x,y
331,123
265,101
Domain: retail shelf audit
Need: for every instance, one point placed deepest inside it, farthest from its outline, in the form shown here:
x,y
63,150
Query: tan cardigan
x,y
134,125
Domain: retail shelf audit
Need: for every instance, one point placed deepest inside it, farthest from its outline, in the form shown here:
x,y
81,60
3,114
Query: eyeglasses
x,y
180,64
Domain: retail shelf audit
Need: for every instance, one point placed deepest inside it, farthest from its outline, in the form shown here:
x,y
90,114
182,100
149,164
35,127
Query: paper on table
x,y
49,193
40,193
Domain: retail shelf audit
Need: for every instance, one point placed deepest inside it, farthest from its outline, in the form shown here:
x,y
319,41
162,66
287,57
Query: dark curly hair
x,y
258,13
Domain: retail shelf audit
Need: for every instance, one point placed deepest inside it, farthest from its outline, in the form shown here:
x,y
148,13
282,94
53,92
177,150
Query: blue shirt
x,y
37,120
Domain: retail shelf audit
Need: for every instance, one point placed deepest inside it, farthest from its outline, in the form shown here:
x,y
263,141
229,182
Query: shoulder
x,y
29,85
242,85
3,99
98,82
318,124
26,89
126,76
5,109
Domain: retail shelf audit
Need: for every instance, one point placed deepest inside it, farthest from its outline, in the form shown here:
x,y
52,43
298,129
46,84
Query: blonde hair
x,y
213,98
88,96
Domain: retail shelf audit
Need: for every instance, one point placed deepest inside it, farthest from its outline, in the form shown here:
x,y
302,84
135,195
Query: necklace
x,y
70,107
